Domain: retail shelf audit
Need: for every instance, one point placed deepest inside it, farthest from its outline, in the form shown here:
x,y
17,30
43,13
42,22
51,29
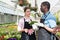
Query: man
x,y
48,19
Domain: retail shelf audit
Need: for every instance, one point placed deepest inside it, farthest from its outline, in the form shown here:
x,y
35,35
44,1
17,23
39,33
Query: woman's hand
x,y
30,31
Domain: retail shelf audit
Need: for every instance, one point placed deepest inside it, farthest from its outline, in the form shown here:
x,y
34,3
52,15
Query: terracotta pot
x,y
2,37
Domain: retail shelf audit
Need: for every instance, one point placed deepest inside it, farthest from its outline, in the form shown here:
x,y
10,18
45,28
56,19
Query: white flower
x,y
39,24
36,24
35,27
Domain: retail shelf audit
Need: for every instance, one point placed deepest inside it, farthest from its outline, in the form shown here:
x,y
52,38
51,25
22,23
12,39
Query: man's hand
x,y
54,31
58,29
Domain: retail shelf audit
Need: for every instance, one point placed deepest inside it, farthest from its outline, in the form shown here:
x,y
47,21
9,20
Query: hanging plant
x,y
23,2
34,8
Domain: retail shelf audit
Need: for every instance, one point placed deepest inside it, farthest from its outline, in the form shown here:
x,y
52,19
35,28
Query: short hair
x,y
26,8
46,3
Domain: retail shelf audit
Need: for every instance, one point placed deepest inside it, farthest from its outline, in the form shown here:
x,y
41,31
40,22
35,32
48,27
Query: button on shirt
x,y
50,20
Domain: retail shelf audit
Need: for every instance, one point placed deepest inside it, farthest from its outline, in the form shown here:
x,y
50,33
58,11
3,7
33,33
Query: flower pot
x,y
2,37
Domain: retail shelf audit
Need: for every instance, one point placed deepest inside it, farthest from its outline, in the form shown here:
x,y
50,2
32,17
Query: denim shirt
x,y
50,20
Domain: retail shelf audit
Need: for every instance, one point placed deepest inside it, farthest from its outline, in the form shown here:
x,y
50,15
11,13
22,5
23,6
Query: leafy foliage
x,y
9,32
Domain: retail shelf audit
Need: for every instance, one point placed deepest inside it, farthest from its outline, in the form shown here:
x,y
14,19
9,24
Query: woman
x,y
24,26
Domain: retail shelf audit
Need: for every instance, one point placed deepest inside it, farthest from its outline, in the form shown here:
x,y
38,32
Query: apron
x,y
44,34
25,36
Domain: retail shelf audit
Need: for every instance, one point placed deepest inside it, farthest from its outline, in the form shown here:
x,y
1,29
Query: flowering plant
x,y
36,24
32,22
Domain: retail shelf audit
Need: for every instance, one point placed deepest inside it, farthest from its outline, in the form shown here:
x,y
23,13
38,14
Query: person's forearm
x,y
22,30
50,29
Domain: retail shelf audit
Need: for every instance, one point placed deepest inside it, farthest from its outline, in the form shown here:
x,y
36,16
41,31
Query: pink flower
x,y
30,31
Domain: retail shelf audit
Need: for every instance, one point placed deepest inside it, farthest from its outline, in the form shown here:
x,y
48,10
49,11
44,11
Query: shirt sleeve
x,y
51,23
20,24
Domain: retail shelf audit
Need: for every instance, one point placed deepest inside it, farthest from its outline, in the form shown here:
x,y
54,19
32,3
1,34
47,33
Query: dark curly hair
x,y
26,8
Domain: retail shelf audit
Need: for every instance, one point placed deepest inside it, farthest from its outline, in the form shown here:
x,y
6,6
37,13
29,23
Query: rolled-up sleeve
x,y
51,23
20,24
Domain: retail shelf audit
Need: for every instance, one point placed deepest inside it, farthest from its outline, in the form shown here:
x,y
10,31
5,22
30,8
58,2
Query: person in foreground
x,y
47,32
24,26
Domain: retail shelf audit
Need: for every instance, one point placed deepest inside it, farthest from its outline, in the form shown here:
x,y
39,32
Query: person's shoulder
x,y
21,19
51,15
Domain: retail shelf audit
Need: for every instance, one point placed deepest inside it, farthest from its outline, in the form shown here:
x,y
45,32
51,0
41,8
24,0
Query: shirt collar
x,y
46,13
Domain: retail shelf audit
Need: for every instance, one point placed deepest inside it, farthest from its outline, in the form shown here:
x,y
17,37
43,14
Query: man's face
x,y
43,8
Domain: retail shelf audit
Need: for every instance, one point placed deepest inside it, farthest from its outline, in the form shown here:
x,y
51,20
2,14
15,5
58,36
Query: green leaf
x,y
32,22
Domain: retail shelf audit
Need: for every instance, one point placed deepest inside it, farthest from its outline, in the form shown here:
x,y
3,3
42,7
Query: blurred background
x,y
12,10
